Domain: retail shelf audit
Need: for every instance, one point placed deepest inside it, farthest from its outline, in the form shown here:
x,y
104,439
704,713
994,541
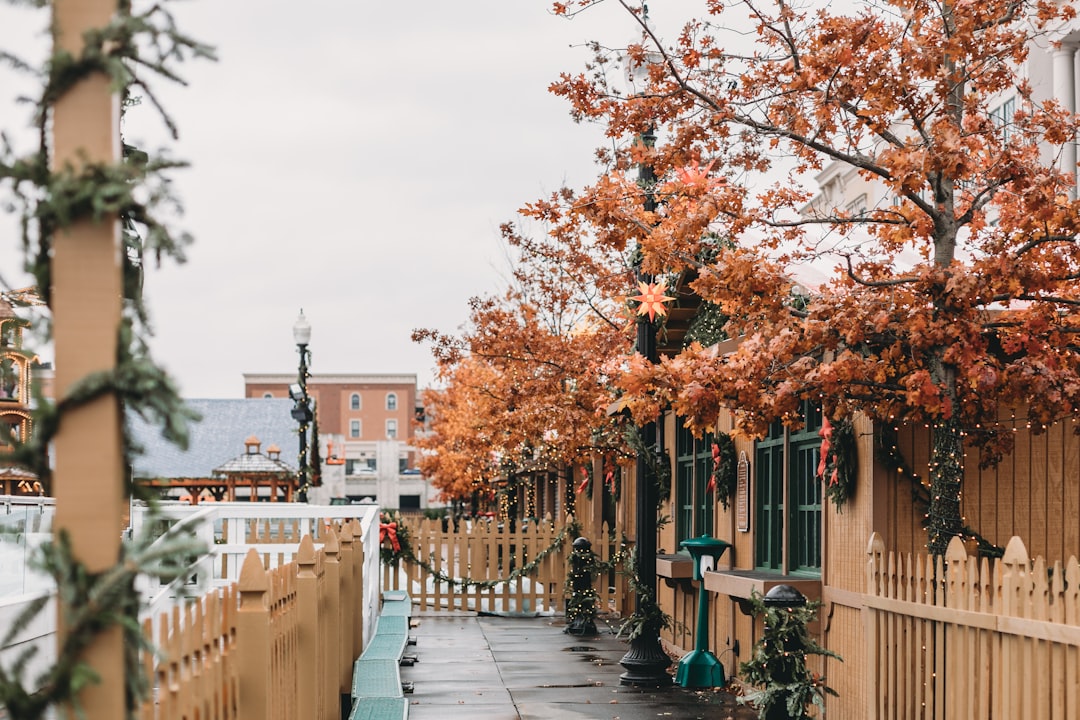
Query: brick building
x,y
366,427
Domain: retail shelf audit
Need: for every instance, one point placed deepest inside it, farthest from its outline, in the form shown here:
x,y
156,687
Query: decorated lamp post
x,y
646,662
700,668
301,411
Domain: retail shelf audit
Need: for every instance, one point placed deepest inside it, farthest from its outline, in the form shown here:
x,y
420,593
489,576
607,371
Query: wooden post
x,y
332,640
86,296
347,607
359,590
253,641
307,640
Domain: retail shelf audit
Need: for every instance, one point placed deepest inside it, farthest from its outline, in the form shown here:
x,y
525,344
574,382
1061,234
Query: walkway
x,y
498,668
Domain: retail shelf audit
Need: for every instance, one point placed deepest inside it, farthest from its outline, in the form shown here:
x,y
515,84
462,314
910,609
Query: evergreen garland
x,y
725,468
406,552
840,468
657,462
707,326
648,616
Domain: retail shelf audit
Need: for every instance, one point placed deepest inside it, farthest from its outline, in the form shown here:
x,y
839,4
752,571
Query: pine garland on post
x,y
785,686
581,604
131,47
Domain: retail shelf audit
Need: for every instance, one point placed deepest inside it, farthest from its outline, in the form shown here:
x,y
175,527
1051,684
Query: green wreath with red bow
x,y
393,538
836,466
724,469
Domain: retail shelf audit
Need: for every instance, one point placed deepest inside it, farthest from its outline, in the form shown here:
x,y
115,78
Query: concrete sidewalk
x,y
499,668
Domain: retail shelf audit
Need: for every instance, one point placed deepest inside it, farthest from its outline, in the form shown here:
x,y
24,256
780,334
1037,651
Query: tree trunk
x,y
946,477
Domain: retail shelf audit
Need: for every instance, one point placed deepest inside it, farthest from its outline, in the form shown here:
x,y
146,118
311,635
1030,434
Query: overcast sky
x,y
354,160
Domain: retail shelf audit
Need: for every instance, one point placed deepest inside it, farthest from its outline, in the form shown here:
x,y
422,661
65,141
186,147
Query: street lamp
x,y
646,662
301,411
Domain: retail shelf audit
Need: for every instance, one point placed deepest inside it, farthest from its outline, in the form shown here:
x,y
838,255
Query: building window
x,y
391,429
12,431
1002,116
857,207
354,401
354,428
11,374
797,452
693,467
391,401
402,464
408,502
350,467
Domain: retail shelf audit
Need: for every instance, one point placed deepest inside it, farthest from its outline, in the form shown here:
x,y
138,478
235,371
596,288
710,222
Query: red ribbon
x,y
584,481
389,530
715,468
826,443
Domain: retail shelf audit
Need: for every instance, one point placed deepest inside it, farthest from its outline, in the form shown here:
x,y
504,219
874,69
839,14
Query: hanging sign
x,y
742,494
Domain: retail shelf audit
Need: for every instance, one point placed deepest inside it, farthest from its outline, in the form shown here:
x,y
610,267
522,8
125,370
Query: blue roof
x,y
217,438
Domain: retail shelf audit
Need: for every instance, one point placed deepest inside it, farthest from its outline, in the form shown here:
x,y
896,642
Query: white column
x,y
1065,92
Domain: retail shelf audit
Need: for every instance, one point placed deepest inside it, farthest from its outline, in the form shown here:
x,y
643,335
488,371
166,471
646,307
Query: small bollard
x,y
581,605
780,598
786,689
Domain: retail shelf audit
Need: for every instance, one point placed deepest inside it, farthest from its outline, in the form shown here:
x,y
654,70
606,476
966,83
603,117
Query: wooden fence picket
x,y
489,556
963,637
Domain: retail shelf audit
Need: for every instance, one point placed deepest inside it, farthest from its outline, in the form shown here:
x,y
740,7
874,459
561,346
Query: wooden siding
x,y
1033,493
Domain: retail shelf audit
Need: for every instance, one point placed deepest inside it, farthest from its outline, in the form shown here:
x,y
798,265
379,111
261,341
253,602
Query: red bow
x,y
826,443
715,468
389,530
584,481
610,480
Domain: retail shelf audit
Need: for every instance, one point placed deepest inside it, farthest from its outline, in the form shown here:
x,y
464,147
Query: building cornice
x,y
330,379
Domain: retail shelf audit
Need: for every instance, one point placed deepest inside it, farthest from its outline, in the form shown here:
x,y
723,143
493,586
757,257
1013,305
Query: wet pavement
x,y
500,668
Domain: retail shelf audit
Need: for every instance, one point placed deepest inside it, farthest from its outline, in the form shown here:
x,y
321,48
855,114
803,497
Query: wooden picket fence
x,y
278,644
959,637
490,559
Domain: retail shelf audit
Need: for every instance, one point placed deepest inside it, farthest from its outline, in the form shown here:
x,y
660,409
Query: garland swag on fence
x,y
403,550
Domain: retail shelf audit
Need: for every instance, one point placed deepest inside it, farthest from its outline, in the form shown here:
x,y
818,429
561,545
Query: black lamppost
x,y
646,662
301,411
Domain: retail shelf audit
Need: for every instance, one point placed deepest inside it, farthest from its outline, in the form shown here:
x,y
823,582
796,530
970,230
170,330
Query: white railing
x,y
25,523
228,531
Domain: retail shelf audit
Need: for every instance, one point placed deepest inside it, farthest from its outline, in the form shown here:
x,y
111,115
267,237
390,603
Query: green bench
x,y
375,678
376,688
396,602
381,708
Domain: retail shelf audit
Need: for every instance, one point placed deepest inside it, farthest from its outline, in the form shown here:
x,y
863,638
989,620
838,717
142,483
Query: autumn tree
x,y
524,379
949,303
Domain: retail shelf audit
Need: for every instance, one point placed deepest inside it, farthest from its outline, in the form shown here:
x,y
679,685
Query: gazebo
x,y
252,476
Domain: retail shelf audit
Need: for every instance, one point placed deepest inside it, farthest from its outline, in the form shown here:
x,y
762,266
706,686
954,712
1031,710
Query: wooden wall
x,y
1034,493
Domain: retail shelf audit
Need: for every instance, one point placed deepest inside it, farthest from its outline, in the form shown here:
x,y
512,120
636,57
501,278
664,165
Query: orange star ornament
x,y
652,299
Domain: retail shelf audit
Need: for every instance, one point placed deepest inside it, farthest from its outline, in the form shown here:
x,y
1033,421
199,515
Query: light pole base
x,y
700,669
646,663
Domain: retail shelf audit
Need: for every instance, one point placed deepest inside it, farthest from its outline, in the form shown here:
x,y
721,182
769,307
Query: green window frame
x,y
694,504
795,453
